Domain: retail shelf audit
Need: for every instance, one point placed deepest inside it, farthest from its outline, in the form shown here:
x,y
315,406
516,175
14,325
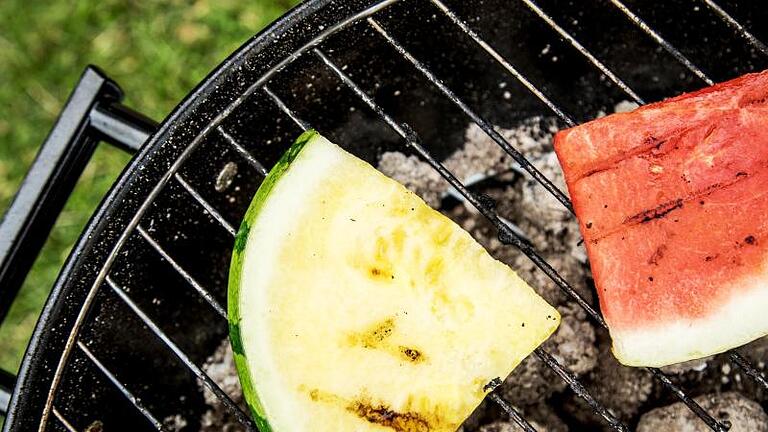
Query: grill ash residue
x,y
220,366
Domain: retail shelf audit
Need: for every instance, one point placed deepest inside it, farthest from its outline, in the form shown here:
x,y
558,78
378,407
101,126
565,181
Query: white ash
x,y
696,365
221,368
625,106
744,415
174,423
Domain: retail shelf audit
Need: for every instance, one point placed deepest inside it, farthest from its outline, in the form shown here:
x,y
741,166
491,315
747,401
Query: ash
x,y
579,344
221,368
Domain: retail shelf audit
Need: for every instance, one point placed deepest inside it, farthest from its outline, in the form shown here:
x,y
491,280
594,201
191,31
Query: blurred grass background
x,y
156,50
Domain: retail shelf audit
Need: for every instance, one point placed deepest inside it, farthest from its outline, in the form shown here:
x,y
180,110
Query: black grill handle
x,y
92,113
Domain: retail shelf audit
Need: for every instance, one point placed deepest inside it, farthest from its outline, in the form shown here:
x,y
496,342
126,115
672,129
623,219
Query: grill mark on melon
x,y
650,144
377,413
382,415
664,209
374,336
652,149
411,354
657,212
657,255
377,337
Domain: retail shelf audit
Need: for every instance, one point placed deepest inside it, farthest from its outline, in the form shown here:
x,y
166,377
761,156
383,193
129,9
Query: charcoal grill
x,y
137,307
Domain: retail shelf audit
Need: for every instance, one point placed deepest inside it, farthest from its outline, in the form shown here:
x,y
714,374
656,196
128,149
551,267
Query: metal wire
x,y
750,370
280,104
189,364
731,21
206,205
243,152
512,412
579,389
180,270
585,52
119,385
661,41
484,125
567,119
63,420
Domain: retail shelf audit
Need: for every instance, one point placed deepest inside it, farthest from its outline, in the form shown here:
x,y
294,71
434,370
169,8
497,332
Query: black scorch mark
x,y
384,416
657,212
658,254
411,354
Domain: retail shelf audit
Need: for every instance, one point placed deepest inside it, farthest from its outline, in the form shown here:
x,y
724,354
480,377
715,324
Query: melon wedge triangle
x,y
354,306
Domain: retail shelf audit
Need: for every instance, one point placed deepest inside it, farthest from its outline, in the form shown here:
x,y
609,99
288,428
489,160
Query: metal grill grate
x,y
411,139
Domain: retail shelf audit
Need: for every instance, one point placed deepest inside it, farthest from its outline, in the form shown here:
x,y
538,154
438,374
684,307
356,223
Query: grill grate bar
x,y
206,205
585,52
284,108
128,395
504,63
202,376
63,420
240,149
692,404
579,389
513,413
506,234
750,370
740,29
484,125
195,284
661,41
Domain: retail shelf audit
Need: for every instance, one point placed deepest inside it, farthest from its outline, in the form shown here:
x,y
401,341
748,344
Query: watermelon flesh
x,y
354,306
672,201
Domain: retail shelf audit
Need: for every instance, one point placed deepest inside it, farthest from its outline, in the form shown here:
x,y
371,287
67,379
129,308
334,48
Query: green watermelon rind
x,y
238,258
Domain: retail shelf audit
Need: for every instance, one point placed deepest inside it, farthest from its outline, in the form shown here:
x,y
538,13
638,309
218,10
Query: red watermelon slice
x,y
672,201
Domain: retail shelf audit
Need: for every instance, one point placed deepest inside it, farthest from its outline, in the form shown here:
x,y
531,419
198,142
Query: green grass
x,y
156,50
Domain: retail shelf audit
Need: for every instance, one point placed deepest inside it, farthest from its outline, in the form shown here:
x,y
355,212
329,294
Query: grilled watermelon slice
x,y
672,201
355,307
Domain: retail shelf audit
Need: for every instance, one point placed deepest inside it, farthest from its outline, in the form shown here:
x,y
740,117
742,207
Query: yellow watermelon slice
x,y
355,307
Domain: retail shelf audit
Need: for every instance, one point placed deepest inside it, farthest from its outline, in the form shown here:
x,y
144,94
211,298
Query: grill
x,y
138,306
